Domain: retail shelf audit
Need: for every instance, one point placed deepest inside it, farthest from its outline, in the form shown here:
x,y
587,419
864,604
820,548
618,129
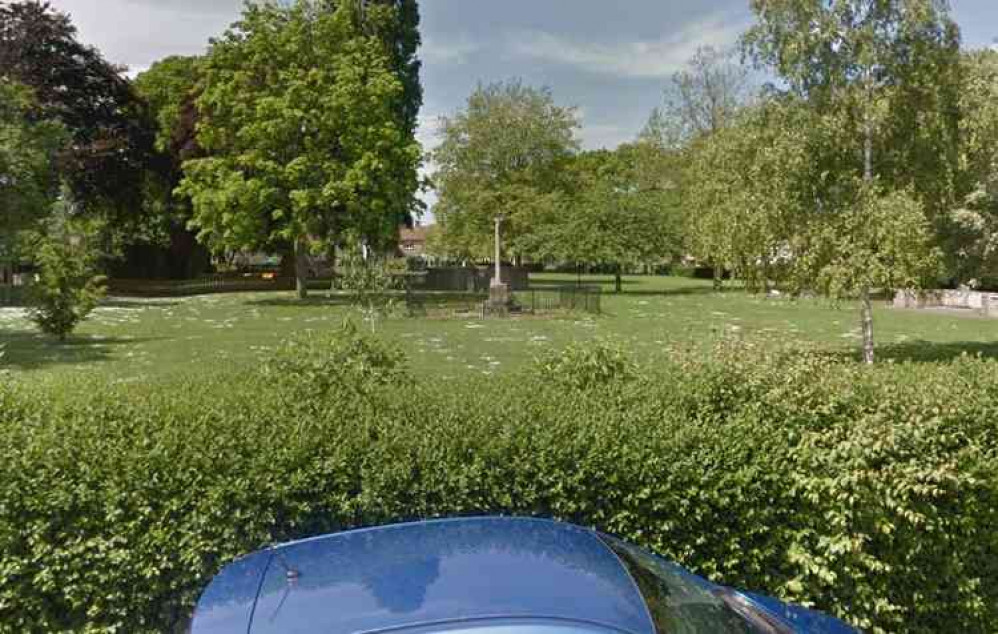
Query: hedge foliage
x,y
870,493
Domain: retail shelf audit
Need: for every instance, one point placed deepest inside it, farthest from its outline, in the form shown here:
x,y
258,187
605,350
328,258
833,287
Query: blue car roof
x,y
427,573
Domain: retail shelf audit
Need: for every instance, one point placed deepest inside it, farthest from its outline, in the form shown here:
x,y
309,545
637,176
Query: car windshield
x,y
676,601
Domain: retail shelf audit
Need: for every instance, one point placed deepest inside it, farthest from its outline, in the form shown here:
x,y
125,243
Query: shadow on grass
x,y
294,302
920,351
25,350
632,288
137,304
433,298
934,352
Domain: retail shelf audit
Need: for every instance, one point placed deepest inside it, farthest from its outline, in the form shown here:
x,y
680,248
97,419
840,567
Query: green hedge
x,y
869,493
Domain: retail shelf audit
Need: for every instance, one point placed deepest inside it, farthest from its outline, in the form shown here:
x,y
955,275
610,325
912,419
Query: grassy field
x,y
137,340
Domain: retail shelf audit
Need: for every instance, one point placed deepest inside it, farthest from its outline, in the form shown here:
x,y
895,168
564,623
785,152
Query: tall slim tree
x,y
746,186
306,142
855,62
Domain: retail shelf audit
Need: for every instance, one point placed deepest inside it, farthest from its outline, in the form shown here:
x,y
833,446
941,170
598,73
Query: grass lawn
x,y
137,340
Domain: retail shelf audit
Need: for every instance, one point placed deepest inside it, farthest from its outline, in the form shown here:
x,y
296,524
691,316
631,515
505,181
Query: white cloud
x,y
600,135
427,130
135,71
596,133
454,51
427,136
639,59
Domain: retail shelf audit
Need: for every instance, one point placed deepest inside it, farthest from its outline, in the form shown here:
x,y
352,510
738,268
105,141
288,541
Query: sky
x,y
612,59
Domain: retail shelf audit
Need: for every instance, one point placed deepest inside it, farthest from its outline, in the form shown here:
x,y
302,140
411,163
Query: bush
x,y
68,287
314,364
586,366
371,284
871,493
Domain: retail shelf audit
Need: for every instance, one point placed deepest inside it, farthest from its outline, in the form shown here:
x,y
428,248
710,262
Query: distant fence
x,y
11,295
200,286
588,299
530,300
460,279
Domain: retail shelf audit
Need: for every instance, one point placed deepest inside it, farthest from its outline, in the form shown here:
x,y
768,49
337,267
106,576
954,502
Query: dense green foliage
x,y
307,144
870,492
619,208
971,235
29,180
169,88
68,286
110,135
843,174
315,365
504,154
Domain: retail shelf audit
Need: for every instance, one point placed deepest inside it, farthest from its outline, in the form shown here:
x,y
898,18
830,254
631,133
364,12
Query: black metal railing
x,y
588,299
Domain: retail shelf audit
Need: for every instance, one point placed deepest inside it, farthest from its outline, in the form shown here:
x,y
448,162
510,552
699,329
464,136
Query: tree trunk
x,y
6,282
867,323
301,268
718,278
618,282
334,272
866,307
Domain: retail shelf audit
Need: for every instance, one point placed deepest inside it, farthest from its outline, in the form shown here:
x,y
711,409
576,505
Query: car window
x,y
678,603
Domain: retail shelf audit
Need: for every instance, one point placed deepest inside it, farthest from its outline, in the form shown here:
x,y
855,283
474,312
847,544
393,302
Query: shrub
x,y
313,364
68,286
371,284
586,365
868,492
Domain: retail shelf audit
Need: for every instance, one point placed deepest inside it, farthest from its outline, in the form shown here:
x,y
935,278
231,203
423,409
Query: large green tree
x,y
306,138
621,208
110,136
29,180
761,204
502,155
745,189
860,64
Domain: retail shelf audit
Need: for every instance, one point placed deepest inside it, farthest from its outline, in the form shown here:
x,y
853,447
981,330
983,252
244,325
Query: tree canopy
x,y
859,65
29,180
971,233
621,207
110,138
502,155
305,139
170,89
703,98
